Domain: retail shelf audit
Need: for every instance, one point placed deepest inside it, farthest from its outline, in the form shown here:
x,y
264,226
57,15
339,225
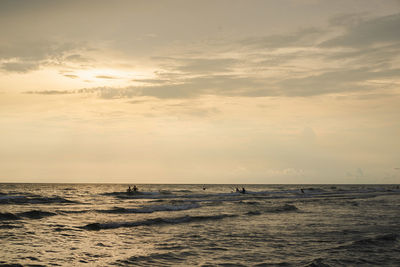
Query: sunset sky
x,y
288,91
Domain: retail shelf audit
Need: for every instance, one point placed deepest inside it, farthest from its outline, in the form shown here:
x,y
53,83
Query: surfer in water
x,y
243,191
135,189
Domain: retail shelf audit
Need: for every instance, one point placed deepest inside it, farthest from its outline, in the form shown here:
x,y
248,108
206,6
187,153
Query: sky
x,y
237,92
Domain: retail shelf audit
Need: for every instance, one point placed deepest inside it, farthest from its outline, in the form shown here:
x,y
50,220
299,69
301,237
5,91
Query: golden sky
x,y
286,91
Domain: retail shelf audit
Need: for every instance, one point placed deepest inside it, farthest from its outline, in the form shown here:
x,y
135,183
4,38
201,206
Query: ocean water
x,y
184,225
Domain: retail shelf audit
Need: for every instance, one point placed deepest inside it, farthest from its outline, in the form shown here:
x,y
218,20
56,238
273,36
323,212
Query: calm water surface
x,y
184,225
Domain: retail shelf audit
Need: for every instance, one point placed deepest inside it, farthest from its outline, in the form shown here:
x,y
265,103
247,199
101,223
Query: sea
x,y
199,225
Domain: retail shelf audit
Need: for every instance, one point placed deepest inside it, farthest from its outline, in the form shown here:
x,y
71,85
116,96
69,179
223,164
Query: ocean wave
x,y
277,209
131,194
18,199
7,216
308,193
9,226
249,202
256,212
36,214
155,221
159,259
72,211
183,191
33,214
151,209
318,263
376,240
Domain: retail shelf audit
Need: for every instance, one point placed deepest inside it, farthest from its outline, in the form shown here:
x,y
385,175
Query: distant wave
x,y
18,199
155,221
151,209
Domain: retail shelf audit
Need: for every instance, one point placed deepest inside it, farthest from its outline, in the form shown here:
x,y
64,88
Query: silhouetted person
x,y
237,190
129,190
302,190
135,188
243,190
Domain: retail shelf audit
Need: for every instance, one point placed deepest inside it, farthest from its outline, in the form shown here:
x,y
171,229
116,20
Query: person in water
x,y
135,189
237,190
302,190
129,190
243,190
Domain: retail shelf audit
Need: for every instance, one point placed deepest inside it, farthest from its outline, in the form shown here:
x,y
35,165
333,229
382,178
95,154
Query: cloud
x,y
72,76
19,66
334,81
77,58
304,37
269,65
326,82
228,85
106,77
151,81
367,56
25,56
381,30
51,92
206,65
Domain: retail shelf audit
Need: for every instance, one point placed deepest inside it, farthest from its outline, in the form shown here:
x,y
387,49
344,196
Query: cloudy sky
x,y
288,91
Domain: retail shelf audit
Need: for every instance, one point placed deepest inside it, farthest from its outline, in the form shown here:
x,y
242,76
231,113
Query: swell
x,y
155,221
